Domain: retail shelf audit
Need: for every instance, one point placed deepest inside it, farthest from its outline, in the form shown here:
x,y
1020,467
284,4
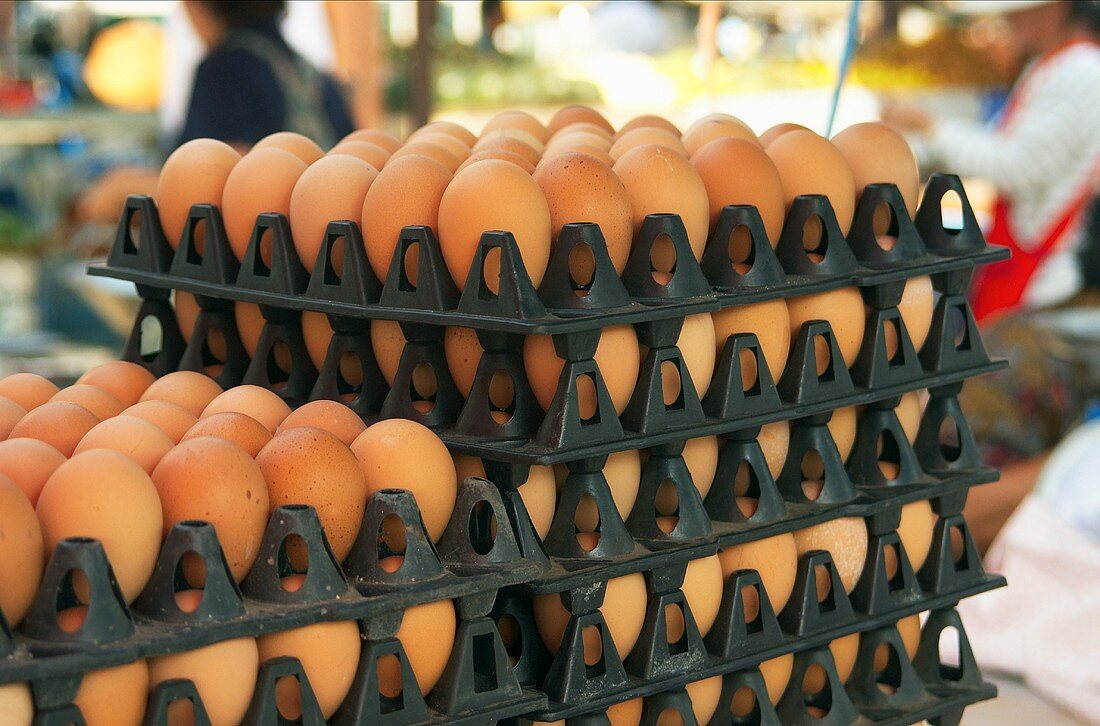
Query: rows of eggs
x,y
121,457
530,179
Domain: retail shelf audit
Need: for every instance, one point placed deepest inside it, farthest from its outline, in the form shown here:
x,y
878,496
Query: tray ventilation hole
x,y
410,268
746,489
391,543
74,596
743,706
587,537
662,259
951,212
582,268
198,241
293,562
887,668
676,628
288,697
350,369
750,374
750,608
502,396
670,717
820,701
486,678
885,225
482,527
151,333
667,506
592,643
950,442
132,242
813,474
491,273
391,686
671,385
334,264
826,598
741,252
511,636
261,265
814,240
950,644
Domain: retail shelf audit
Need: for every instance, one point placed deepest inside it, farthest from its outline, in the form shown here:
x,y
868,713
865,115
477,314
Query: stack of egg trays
x,y
476,556
272,277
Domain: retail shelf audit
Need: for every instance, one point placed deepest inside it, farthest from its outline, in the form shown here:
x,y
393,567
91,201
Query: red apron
x,y
999,289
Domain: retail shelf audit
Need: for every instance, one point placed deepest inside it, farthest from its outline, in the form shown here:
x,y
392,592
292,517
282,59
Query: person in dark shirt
x,y
251,83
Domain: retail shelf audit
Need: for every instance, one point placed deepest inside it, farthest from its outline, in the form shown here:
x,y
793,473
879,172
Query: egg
x,y
331,416
28,463
777,674
623,609
626,713
448,127
916,307
707,130
301,146
909,415
102,404
396,453
918,523
387,141
701,457
388,343
517,120
697,348
259,403
493,195
16,704
577,113
704,696
427,635
842,427
623,473
778,130
407,192
702,589
21,552
737,171
28,390
317,334
224,675
582,127
236,428
580,140
809,164
261,182
195,173
187,312
373,154
844,651
61,424
909,629
104,495
774,558
216,481
331,189
463,352
329,654
114,696
647,121
842,309
617,355
502,154
189,390
332,483
131,436
124,380
878,154
10,414
169,417
770,322
518,142
845,539
581,188
646,136
456,148
428,150
539,493
659,180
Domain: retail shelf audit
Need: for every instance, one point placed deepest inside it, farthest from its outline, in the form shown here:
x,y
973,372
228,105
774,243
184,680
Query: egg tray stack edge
x,y
475,557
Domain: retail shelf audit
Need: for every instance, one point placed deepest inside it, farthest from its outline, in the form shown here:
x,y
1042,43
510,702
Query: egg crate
x,y
895,693
476,556
747,630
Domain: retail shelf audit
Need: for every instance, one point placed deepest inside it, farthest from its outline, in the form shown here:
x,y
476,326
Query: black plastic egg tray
x,y
476,556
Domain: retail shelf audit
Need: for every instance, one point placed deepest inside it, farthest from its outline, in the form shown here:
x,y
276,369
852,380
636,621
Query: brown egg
x,y
317,334
29,390
842,309
517,120
844,651
623,472
427,635
16,704
704,696
623,608
569,140
105,495
187,314
648,121
195,173
388,343
809,164
302,147
646,136
702,133
916,308
224,674
661,181
617,355
577,113
626,713
407,192
702,589
332,483
909,629
770,321
457,149
878,154
389,142
250,325
190,391
909,414
580,188
331,189
918,523
329,654
774,438
169,417
261,182
102,404
21,552
216,481
701,457
10,414
777,673
431,151
539,493
124,380
503,154
331,416
463,351
697,346
736,171
259,403
842,427
114,696
373,154
448,127
582,127
845,539
775,559
61,424
778,130
518,142
237,428
401,454
130,436
28,463
493,195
